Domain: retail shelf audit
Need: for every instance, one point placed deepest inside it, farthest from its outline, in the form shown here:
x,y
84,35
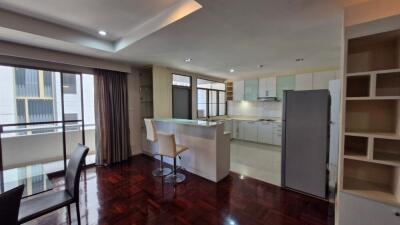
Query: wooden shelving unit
x,y
146,94
371,146
229,91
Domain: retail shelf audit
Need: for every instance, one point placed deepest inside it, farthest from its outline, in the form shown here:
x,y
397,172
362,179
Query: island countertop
x,y
202,123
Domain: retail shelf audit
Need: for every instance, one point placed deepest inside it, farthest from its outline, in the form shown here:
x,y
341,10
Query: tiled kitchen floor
x,y
259,161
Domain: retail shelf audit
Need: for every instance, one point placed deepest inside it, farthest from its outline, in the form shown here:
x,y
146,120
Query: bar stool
x,y
152,137
169,148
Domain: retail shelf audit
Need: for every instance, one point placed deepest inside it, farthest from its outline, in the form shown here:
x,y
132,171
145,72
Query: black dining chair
x,y
46,203
9,205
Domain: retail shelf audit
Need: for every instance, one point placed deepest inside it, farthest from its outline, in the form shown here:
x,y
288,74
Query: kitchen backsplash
x,y
256,109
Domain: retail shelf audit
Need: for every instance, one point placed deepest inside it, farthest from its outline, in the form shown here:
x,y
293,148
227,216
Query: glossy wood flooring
x,y
128,194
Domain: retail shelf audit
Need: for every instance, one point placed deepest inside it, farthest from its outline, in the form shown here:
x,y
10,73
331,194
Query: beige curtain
x,y
111,113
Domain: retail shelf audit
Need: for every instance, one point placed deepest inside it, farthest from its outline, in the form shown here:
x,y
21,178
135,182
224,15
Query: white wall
x,y
255,109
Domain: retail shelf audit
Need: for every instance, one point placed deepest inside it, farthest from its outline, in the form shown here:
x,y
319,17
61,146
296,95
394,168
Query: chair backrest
x,y
74,169
150,130
166,144
9,205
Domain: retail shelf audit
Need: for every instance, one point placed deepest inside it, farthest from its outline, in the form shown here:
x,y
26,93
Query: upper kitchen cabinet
x,y
321,79
284,83
304,82
267,87
251,90
238,90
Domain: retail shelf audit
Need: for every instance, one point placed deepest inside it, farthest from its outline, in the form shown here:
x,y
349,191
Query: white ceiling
x,y
223,34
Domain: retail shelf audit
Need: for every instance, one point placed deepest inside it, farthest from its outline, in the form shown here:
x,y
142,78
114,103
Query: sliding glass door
x,y
42,116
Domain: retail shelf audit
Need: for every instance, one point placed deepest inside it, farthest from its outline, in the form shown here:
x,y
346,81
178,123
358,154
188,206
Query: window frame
x,y
208,100
62,121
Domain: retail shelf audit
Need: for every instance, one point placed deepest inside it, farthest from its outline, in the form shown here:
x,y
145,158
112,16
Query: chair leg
x,y
69,214
78,215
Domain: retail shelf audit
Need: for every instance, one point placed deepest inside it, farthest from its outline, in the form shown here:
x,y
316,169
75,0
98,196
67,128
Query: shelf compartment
x,y
355,146
358,86
388,84
372,116
373,52
372,180
387,150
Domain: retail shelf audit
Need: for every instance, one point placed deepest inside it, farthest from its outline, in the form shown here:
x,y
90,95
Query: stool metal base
x,y
175,178
160,172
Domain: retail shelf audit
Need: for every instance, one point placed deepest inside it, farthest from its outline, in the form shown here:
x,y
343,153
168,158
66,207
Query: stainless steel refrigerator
x,y
305,141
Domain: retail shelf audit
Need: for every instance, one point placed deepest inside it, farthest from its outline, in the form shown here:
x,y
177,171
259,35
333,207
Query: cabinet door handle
x,y
266,93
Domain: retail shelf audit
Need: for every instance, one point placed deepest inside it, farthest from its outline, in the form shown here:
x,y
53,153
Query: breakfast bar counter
x,y
209,146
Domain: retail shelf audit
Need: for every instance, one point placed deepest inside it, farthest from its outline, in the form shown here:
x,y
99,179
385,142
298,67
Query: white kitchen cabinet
x,y
238,90
250,131
277,134
241,130
265,132
356,210
321,79
267,87
304,82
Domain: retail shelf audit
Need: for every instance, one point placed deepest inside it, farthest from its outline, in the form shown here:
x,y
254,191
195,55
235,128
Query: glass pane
x,y
222,109
180,80
213,109
207,84
73,136
212,97
201,96
88,100
72,96
40,144
201,110
201,103
70,83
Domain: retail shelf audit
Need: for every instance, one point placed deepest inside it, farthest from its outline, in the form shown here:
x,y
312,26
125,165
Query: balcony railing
x,y
23,146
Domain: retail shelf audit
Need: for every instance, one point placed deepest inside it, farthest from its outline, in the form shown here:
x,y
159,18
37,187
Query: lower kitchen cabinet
x,y
256,131
250,131
265,133
277,134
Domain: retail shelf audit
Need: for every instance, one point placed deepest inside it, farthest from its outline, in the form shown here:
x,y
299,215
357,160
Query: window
x,y
211,98
69,83
33,112
180,80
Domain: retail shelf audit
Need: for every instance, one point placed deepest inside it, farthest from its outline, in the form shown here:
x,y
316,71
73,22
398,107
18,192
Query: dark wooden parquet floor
x,y
129,194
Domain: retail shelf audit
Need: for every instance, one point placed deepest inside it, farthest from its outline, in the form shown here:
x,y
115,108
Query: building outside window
x,y
211,98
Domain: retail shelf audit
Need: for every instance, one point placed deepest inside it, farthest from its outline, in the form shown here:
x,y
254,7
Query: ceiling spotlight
x,y
231,70
260,66
188,60
102,32
299,60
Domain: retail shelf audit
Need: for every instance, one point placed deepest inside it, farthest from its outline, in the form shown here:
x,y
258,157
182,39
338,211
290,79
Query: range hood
x,y
268,99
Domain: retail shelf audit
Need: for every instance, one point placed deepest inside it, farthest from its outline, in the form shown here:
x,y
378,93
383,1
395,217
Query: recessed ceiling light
x,y
188,60
299,60
231,70
102,32
260,66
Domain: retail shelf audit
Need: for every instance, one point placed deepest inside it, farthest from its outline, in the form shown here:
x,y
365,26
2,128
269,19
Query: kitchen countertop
x,y
201,123
255,119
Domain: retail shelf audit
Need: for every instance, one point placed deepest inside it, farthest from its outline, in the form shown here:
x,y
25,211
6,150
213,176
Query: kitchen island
x,y
209,146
